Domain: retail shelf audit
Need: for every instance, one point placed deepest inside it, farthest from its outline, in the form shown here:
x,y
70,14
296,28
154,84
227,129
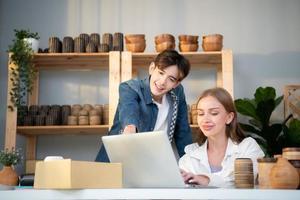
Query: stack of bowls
x,y
135,42
212,42
164,42
243,173
188,43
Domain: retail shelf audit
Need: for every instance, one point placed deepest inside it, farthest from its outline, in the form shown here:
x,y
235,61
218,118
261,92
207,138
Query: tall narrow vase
x,y
8,176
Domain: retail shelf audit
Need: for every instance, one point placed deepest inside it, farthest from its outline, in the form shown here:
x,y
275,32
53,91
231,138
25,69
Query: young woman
x,y
211,162
155,103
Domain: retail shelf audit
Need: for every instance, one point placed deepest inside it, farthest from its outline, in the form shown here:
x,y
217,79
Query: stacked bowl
x,y
164,42
188,43
212,42
135,42
243,173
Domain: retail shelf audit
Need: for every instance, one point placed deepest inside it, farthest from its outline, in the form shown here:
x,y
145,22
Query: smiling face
x,y
163,80
212,117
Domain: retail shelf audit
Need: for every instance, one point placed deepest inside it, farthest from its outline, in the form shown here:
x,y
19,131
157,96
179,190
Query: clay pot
x,y
164,38
134,38
292,154
95,120
8,176
283,175
72,120
188,47
136,47
190,39
165,46
212,42
264,169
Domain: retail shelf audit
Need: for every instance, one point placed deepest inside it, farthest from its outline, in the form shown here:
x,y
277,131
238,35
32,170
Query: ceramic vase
x,y
8,176
33,43
283,175
264,169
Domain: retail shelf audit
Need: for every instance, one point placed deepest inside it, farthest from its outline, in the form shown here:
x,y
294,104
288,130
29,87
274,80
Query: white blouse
x,y
196,160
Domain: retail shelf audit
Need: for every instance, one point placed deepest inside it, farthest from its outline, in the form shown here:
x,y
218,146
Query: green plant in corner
x,y
291,133
259,111
10,157
23,74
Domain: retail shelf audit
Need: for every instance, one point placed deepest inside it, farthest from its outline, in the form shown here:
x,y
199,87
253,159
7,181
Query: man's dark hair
x,y
172,57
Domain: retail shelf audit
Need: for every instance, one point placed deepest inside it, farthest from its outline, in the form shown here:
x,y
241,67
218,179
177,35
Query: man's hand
x,y
129,129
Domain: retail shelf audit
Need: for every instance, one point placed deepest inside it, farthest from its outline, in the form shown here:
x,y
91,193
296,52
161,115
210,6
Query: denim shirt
x,y
136,107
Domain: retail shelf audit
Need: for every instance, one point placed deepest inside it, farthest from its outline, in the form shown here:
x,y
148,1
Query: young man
x,y
155,103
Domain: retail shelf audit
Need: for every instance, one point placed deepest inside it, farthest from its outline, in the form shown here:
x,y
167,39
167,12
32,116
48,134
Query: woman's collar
x,y
201,152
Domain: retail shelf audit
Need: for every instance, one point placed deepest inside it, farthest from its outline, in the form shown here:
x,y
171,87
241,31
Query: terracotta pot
x,y
283,175
8,176
264,168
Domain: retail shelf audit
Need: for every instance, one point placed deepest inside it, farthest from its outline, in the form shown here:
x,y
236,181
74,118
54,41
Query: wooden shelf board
x,y
196,58
70,130
63,130
71,60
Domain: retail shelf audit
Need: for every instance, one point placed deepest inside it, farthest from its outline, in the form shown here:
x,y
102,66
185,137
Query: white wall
x,y
264,37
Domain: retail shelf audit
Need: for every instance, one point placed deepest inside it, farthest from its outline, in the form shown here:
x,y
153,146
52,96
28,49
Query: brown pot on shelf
x,y
8,176
264,168
283,175
292,154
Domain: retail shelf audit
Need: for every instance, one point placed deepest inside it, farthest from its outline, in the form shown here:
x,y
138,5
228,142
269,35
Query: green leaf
x,y
249,128
278,101
264,111
293,134
245,107
264,94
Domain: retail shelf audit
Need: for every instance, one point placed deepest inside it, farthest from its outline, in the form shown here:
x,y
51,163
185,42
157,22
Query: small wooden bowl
x,y
191,39
164,38
212,46
136,47
188,47
165,46
213,38
134,38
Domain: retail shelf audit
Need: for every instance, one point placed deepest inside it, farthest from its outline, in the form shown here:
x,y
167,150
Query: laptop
x,y
147,158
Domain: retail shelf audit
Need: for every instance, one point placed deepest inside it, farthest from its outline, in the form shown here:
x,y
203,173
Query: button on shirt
x,y
196,161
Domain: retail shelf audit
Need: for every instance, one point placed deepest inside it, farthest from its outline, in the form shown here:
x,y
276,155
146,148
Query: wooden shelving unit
x,y
63,61
221,60
121,66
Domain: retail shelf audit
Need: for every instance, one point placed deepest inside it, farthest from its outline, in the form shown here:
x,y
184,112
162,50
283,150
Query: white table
x,y
188,193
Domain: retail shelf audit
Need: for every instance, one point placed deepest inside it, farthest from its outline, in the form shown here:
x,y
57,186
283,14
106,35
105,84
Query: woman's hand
x,y
129,129
190,178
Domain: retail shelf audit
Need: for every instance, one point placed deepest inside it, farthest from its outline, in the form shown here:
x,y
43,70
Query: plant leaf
x,y
264,111
264,94
245,107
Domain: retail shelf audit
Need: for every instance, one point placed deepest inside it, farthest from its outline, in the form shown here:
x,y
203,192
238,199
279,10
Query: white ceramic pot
x,y
34,43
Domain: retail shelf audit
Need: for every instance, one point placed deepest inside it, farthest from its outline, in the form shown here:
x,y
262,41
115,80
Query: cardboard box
x,y
69,174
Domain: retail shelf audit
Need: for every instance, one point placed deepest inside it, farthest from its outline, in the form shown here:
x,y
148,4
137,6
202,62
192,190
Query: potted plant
x,y
272,137
9,158
23,74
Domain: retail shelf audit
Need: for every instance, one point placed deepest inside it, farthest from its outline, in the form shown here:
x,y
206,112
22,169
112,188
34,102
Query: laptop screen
x,y
147,159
